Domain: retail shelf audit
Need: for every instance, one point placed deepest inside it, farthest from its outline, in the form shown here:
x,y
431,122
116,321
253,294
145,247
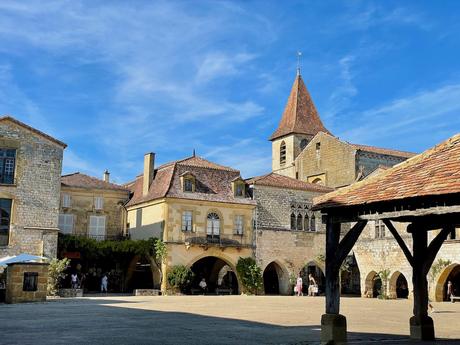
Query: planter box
x,y
147,292
70,293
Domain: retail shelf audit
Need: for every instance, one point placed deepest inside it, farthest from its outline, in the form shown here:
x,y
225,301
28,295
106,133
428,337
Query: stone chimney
x,y
149,167
106,176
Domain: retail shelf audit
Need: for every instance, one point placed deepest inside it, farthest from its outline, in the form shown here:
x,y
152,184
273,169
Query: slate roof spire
x,y
300,115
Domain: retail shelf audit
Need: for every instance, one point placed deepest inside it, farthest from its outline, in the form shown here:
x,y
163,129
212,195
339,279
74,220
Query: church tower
x,y
299,124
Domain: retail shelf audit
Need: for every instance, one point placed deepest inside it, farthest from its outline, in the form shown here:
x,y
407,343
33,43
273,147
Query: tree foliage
x,y
56,274
250,275
437,268
384,276
180,277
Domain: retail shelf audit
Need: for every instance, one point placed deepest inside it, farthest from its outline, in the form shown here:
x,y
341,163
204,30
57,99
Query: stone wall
x,y
35,194
82,207
15,282
368,161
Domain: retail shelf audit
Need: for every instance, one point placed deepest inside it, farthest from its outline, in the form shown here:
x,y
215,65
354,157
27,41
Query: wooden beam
x,y
332,270
400,241
348,241
434,247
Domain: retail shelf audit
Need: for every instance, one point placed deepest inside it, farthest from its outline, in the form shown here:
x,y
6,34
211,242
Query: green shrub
x,y
250,275
56,274
180,277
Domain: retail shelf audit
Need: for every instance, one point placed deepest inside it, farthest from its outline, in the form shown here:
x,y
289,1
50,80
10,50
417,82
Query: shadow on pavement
x,y
107,321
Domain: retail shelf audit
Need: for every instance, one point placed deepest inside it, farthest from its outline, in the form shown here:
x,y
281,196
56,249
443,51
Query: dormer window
x,y
238,187
188,182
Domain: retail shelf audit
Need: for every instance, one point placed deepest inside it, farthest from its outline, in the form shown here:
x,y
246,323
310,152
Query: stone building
x,y
289,237
30,171
304,149
201,211
92,207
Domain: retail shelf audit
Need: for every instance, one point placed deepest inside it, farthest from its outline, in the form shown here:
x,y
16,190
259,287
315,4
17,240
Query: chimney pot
x,y
106,176
149,168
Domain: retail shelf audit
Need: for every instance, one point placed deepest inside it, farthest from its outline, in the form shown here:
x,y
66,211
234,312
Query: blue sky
x,y
115,80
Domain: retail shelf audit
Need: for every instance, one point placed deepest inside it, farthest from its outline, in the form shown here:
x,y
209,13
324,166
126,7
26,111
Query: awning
x,y
22,258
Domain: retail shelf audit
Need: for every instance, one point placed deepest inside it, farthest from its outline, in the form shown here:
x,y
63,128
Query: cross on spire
x,y
299,54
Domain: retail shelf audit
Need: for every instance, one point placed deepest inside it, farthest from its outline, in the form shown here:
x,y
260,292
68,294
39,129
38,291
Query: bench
x,y
454,298
220,291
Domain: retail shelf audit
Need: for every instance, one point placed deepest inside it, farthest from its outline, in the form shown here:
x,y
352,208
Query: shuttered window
x,y
66,200
66,223
97,227
187,221
239,221
98,203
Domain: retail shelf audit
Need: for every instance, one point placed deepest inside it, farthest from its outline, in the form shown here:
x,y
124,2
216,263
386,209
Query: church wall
x,y
369,161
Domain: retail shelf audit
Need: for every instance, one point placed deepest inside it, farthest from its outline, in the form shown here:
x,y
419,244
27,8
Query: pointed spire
x,y
194,153
299,54
300,115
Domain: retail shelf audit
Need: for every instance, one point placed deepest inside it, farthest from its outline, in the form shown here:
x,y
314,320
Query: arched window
x,y
293,223
299,222
313,223
283,152
213,225
303,143
306,224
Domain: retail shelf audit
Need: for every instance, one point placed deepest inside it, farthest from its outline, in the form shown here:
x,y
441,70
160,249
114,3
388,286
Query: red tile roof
x,y
213,182
79,180
300,114
36,131
280,181
383,151
433,172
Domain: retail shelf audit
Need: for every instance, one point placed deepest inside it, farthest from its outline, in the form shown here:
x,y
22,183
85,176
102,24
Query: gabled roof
x,y
280,181
383,151
34,130
300,115
434,172
213,182
79,180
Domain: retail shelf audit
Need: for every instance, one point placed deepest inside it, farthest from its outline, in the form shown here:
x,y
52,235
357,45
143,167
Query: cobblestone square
x,y
213,320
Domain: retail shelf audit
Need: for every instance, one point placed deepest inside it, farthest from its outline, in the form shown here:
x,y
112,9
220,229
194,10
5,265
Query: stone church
x,y
304,149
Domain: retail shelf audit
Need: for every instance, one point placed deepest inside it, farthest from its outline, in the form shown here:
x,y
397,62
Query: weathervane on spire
x,y
299,54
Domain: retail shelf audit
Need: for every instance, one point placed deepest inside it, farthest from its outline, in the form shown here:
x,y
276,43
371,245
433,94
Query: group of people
x,y
312,286
78,283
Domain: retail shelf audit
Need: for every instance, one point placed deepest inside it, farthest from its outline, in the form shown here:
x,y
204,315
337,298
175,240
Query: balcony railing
x,y
119,237
237,241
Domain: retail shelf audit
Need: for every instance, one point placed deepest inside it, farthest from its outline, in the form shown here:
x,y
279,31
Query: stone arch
x,y
441,281
318,180
369,284
282,278
216,270
398,286
317,269
136,273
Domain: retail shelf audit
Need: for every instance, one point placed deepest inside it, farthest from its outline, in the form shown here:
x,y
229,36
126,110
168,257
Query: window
x,y
187,221
283,153
7,163
239,189
313,223
66,200
30,281
299,222
293,221
213,225
379,229
188,185
318,150
306,224
97,227
239,221
5,218
98,203
303,143
66,223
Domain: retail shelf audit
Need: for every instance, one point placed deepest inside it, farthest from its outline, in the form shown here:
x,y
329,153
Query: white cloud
x,y
218,64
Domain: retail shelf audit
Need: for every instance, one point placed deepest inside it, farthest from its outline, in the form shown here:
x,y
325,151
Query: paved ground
x,y
212,320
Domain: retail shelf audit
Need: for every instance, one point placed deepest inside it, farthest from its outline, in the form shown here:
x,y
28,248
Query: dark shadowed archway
x,y
217,273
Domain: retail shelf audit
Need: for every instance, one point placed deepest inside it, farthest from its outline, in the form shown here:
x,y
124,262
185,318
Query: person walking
x,y
203,285
104,283
299,285
312,286
74,280
450,290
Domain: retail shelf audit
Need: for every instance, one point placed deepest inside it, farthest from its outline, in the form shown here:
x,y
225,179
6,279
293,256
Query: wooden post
x,y
421,325
333,325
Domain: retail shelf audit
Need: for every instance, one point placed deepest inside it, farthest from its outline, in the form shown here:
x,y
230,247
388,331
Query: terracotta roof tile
x,y
79,180
300,114
433,172
280,181
213,182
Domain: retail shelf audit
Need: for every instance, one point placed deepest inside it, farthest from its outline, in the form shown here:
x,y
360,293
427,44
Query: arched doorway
x,y
272,279
317,273
398,287
373,285
350,279
218,274
142,274
450,273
